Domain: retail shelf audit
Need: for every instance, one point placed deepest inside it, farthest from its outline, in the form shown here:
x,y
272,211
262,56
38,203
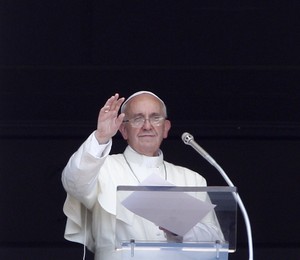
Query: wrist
x,y
100,138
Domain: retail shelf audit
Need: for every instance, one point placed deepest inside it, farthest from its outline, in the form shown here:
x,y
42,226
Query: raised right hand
x,y
108,120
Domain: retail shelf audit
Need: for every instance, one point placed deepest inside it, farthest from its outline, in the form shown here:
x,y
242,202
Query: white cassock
x,y
91,178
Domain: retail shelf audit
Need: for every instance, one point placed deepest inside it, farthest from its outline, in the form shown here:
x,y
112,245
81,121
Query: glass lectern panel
x,y
168,222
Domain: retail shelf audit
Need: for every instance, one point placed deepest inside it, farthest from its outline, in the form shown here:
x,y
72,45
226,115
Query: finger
x,y
110,101
115,102
109,105
119,103
105,109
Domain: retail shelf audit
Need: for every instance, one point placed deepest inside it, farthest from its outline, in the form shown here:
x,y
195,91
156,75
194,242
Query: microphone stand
x,y
189,140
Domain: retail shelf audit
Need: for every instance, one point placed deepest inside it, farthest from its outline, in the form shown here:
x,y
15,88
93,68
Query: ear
x,y
123,131
167,128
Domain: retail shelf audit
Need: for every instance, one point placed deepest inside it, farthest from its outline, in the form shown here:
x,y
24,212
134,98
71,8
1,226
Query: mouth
x,y
146,135
142,136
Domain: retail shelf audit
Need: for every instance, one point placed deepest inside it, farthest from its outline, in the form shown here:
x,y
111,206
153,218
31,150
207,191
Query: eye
x,y
138,119
155,119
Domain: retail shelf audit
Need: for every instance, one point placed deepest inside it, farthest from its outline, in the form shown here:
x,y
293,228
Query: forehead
x,y
144,103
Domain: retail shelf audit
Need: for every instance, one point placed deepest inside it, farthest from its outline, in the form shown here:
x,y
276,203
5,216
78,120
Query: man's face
x,y
145,139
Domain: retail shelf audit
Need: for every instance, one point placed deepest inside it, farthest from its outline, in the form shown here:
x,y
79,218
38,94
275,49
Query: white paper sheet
x,y
177,212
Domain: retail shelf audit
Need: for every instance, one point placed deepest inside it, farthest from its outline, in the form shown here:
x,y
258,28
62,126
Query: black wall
x,y
228,71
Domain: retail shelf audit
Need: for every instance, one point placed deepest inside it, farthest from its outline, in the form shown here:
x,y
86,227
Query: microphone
x,y
188,139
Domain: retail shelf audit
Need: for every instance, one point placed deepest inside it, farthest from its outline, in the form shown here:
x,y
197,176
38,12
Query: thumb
x,y
120,118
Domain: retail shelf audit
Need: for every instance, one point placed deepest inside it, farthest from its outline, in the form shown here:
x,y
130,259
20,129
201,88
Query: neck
x,y
140,159
149,154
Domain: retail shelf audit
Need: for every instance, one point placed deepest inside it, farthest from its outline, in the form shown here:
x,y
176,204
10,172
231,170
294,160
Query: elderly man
x,y
92,175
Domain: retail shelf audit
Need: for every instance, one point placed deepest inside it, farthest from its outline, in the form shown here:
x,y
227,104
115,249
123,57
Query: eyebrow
x,y
143,115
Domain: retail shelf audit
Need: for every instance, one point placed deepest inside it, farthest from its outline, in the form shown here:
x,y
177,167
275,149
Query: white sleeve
x,y
99,150
204,233
80,175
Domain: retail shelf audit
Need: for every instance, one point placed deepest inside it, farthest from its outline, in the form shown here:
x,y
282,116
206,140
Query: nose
x,y
147,124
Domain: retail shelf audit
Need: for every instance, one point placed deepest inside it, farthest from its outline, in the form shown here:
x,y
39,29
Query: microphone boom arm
x,y
188,139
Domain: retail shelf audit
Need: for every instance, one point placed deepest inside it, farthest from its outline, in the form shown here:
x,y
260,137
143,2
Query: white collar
x,y
142,160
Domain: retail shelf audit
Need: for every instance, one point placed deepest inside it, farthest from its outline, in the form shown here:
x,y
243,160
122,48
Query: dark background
x,y
227,70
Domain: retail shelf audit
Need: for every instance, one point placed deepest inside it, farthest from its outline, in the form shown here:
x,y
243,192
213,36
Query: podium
x,y
139,237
